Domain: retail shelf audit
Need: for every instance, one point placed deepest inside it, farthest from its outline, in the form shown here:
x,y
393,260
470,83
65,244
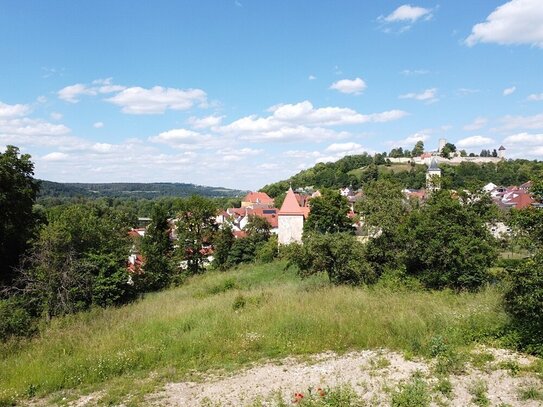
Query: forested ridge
x,y
362,169
49,189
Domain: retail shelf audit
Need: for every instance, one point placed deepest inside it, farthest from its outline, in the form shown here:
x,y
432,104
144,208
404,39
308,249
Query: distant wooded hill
x,y
359,170
153,190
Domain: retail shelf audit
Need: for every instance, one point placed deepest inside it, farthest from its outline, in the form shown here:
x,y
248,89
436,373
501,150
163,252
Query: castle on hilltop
x,y
456,158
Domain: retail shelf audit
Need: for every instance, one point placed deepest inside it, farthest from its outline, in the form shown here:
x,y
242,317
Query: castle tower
x,y
290,220
433,177
442,142
501,152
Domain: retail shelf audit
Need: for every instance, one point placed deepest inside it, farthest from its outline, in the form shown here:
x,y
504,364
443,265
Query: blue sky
x,y
242,93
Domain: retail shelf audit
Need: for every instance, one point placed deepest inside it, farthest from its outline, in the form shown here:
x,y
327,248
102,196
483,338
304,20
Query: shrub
x,y
411,394
339,254
524,302
268,251
14,320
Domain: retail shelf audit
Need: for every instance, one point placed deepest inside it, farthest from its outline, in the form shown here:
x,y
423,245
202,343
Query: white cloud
x,y
524,138
535,97
522,122
13,110
355,86
474,141
476,124
429,95
182,138
413,72
301,121
71,93
408,13
56,156
311,77
509,91
98,125
515,22
205,122
157,100
56,116
343,147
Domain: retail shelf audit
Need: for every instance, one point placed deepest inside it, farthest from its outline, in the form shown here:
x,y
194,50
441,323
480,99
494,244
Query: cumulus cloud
x,y
17,110
56,116
522,122
55,156
509,91
205,122
408,13
535,97
413,72
524,138
98,125
73,92
343,147
354,86
428,95
474,141
182,138
299,121
515,22
476,124
157,100
311,77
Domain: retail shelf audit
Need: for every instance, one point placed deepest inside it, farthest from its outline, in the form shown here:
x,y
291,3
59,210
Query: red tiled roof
x,y
522,201
290,205
258,197
239,234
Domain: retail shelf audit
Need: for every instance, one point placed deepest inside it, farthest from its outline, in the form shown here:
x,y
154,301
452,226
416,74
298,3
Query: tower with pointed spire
x,y
501,152
433,176
290,220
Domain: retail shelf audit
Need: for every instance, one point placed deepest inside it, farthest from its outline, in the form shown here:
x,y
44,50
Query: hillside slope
x,y
228,319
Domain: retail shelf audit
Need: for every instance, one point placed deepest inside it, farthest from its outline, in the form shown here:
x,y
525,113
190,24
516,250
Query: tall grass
x,y
223,320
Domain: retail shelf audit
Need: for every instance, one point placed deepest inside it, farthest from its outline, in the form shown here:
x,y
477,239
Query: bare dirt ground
x,y
374,375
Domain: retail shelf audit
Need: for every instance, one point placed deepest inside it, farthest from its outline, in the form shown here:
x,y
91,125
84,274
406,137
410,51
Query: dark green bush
x,y
14,320
524,303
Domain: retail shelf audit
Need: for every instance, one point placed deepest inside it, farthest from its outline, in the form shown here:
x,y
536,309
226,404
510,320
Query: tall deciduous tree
x,y
195,228
448,245
328,214
418,149
18,190
157,250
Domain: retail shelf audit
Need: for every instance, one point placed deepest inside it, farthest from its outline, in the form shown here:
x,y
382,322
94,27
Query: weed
x,y
531,393
478,391
444,386
379,363
411,394
480,359
510,365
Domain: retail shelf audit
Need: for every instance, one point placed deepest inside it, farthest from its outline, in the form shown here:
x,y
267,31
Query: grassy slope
x,y
223,320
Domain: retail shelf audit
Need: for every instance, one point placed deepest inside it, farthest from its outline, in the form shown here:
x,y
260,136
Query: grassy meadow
x,y
224,320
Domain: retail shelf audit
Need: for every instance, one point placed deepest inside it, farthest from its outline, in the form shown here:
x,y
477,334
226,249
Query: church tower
x,y
433,177
290,220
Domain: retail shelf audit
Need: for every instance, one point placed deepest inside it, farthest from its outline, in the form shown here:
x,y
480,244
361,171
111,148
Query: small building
x,y
501,152
433,177
257,199
291,220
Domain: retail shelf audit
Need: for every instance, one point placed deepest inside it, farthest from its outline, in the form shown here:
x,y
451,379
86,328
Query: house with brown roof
x,y
257,199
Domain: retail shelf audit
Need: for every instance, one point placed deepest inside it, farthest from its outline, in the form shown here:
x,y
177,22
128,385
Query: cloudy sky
x,y
240,93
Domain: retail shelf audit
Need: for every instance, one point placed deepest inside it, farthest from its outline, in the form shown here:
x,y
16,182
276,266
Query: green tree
x,y
195,229
157,251
537,189
222,245
18,190
328,214
448,245
259,228
447,150
418,150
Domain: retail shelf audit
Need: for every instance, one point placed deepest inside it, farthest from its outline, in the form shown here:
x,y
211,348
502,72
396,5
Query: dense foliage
x,y
18,191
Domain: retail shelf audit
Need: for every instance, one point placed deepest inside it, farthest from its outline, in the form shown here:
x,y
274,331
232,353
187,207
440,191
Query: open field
x,y
225,321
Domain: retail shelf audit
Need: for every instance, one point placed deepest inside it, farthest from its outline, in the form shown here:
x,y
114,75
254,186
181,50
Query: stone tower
x,y
433,176
442,142
501,152
290,220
